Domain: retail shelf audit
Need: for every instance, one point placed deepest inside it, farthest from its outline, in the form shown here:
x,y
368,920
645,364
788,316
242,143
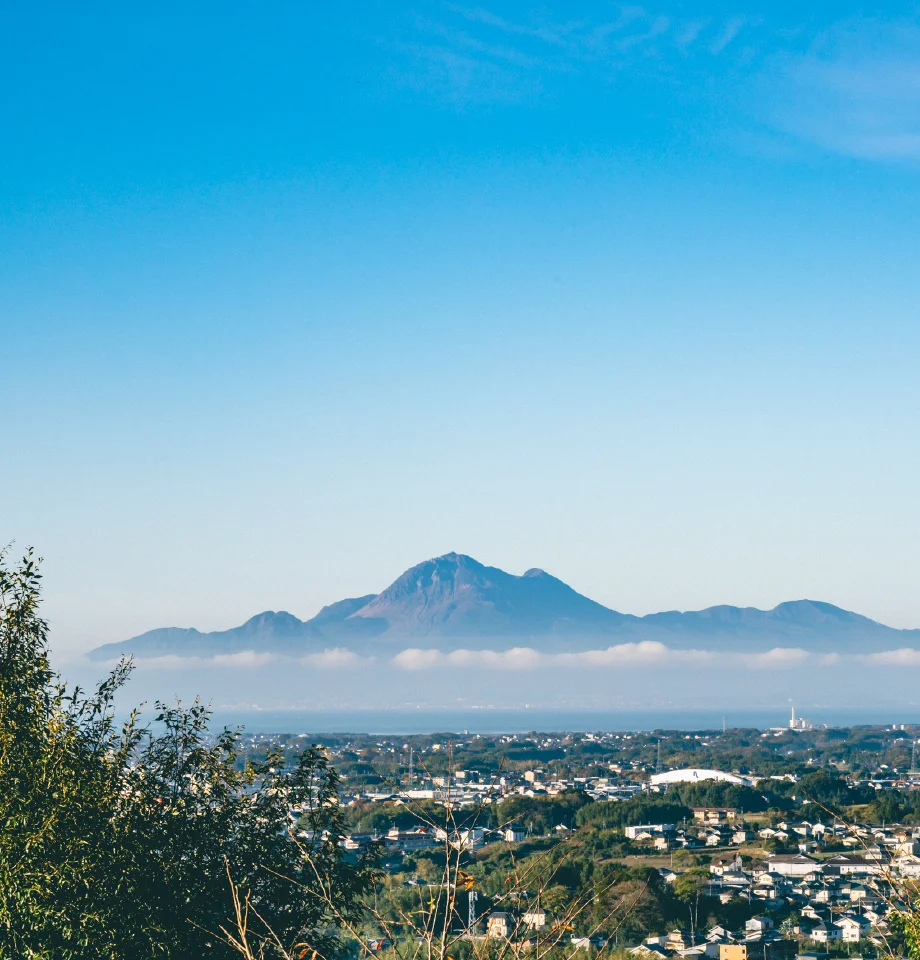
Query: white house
x,y
826,933
650,829
535,919
852,929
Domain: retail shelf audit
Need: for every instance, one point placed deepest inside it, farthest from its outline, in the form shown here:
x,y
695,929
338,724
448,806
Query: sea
x,y
499,721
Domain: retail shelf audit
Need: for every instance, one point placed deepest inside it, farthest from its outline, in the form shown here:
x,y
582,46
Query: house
x,y
357,841
806,925
714,814
908,867
732,951
801,828
876,853
685,842
649,950
847,864
728,863
463,839
655,940
825,932
500,925
586,943
736,879
677,940
700,951
514,833
852,929
409,840
718,934
758,925
855,891
742,836
535,919
634,832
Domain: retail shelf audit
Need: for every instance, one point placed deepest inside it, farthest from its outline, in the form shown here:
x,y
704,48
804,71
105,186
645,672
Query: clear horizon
x,y
294,302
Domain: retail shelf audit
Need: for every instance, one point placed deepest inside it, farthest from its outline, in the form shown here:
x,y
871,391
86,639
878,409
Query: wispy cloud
x,y
554,34
729,31
856,91
686,34
656,28
471,53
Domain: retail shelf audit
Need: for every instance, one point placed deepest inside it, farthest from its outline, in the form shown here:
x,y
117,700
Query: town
x,y
796,841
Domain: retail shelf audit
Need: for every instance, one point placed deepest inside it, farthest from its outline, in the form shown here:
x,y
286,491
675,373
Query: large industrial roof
x,y
692,774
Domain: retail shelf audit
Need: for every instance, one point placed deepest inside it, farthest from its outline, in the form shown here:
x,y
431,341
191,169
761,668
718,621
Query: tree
x,y
117,842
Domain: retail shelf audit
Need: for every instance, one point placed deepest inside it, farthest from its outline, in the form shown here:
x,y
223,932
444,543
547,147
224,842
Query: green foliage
x,y
645,808
829,789
716,793
895,806
367,817
117,842
541,814
636,900
691,884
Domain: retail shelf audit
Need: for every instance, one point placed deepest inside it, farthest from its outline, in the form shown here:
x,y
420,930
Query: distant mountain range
x,y
454,601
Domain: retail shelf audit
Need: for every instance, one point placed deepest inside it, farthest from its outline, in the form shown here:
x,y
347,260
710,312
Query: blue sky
x,y
294,297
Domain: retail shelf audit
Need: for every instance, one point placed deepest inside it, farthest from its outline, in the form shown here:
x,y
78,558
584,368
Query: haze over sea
x,y
490,720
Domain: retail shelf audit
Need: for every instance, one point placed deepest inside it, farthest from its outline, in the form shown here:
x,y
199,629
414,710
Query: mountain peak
x,y
455,601
816,611
455,595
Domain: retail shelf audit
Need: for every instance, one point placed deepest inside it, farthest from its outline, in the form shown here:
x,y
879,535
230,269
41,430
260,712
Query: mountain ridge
x,y
455,601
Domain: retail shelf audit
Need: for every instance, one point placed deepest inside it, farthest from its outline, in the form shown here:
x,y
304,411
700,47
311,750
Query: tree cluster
x,y
122,840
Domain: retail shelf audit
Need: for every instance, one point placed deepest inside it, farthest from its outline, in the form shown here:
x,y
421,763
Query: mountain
x,y
456,597
454,601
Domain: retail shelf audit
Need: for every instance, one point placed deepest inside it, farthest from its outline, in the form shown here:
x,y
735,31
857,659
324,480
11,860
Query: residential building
x,y
500,925
732,951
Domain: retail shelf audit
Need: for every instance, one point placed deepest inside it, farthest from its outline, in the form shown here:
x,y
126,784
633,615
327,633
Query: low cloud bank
x,y
647,653
333,659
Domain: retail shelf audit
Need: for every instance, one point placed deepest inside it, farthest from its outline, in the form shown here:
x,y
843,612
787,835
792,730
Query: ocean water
x,y
490,721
